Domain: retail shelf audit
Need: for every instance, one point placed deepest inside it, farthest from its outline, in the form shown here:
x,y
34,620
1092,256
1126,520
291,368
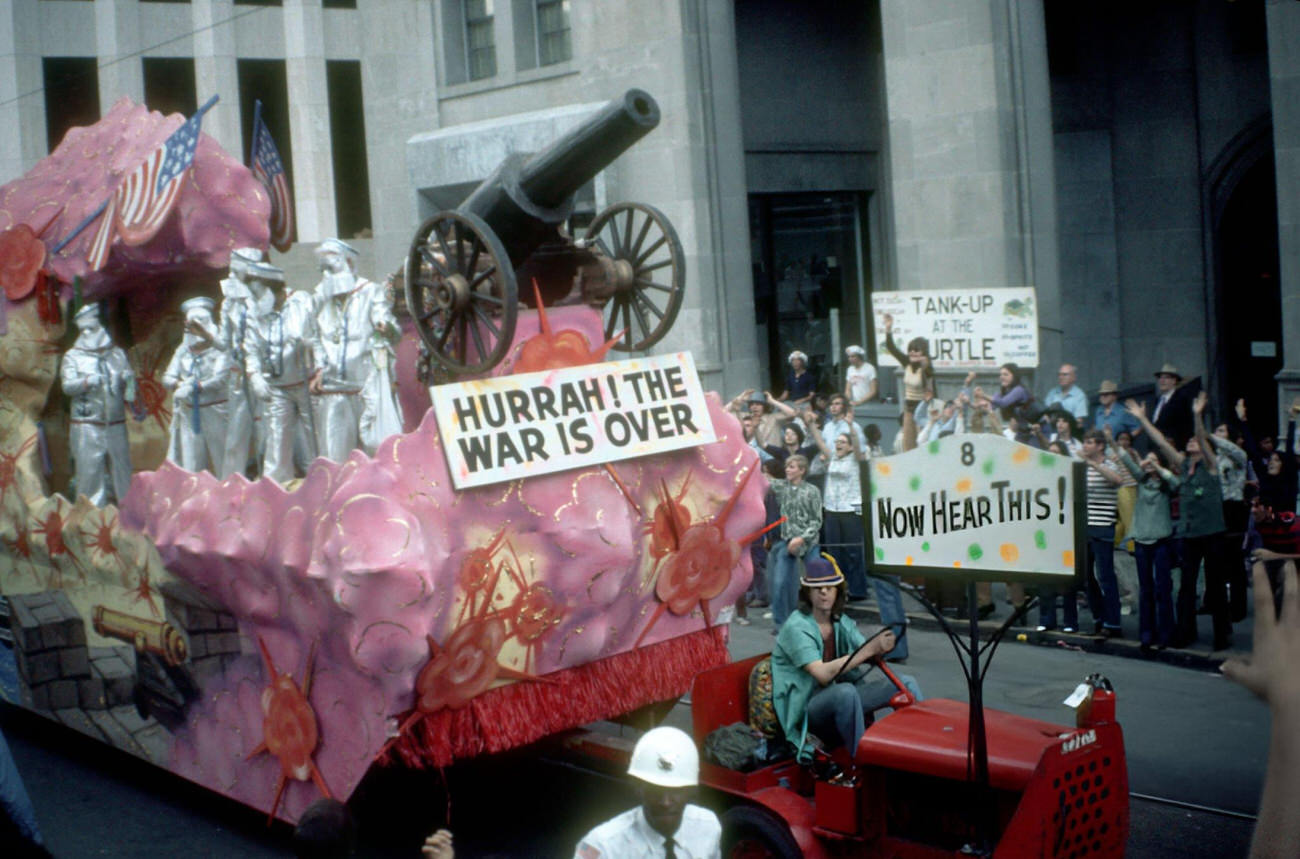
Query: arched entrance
x,y
1246,329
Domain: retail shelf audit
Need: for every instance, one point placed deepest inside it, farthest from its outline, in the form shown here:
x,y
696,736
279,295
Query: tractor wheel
x,y
754,833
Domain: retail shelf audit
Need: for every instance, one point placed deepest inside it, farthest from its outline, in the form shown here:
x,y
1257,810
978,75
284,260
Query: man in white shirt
x,y
665,825
1067,394
860,383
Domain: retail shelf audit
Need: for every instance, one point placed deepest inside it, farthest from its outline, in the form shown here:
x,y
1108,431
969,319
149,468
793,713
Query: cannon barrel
x,y
530,194
557,172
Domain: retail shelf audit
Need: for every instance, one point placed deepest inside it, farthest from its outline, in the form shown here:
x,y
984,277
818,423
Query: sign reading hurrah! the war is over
x,y
525,425
977,507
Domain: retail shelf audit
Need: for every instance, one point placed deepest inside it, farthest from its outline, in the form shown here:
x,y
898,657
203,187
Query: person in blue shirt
x,y
1111,414
1067,394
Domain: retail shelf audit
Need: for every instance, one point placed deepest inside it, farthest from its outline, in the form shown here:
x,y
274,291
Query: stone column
x,y
399,83
971,181
117,37
309,120
1284,86
22,101
216,72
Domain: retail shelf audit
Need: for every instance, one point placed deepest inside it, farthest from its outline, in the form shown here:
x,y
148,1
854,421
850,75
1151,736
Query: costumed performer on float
x,y
201,377
819,686
243,412
278,359
355,348
100,381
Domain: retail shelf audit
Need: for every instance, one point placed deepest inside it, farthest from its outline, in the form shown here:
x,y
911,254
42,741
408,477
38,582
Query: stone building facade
x,y
1133,163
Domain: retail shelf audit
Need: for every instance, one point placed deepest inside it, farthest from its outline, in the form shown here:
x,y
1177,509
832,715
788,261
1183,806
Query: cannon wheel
x,y
652,274
460,290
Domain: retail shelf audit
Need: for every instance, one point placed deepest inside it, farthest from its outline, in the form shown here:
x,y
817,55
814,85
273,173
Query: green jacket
x,y
798,644
1151,519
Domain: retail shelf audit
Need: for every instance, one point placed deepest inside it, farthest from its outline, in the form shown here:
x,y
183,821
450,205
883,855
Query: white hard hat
x,y
666,757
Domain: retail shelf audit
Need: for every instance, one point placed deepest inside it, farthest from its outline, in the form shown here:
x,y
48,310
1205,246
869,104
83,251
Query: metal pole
x,y
978,740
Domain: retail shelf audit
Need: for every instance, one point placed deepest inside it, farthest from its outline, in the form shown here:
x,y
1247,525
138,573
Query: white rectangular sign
x,y
967,328
977,506
529,424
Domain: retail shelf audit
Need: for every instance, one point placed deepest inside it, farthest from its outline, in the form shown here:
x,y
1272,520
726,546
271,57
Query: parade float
x,y
272,642
554,538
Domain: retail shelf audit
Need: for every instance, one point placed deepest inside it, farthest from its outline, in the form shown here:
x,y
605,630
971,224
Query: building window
x,y
480,45
71,95
338,4
553,32
257,2
348,148
169,85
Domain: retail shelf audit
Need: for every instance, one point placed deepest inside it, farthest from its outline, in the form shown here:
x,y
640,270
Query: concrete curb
x,y
1198,658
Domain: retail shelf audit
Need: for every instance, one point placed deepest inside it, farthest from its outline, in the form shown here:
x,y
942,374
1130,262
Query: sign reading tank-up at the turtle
x,y
976,507
966,328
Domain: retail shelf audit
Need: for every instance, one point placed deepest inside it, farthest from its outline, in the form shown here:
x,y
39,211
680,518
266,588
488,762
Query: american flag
x,y
141,203
269,169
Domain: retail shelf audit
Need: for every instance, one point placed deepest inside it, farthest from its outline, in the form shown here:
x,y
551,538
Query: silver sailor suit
x,y
201,380
98,377
277,347
356,334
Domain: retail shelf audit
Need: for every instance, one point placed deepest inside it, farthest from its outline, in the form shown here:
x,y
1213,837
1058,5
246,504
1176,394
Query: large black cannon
x,y
464,264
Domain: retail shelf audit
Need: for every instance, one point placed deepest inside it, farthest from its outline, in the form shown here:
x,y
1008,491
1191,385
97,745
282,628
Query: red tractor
x,y
1053,791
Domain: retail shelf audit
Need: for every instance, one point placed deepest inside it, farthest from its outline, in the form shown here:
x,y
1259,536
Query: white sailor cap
x,y
266,271
87,309
193,305
337,246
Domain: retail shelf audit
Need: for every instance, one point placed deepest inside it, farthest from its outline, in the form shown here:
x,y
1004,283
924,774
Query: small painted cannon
x,y
464,264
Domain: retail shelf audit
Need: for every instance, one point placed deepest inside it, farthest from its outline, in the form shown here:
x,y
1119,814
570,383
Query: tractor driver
x,y
667,765
817,684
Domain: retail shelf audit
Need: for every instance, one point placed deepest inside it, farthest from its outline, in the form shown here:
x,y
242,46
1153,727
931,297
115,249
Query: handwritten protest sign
x,y
977,507
967,328
537,423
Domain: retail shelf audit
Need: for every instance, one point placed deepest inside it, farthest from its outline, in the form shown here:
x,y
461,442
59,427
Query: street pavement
x,y
1191,736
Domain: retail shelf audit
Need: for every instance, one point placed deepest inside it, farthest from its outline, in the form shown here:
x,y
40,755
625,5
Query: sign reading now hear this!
x,y
980,506
966,328
530,424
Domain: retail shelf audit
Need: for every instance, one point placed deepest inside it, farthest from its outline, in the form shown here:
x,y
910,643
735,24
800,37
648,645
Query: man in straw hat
x,y
1170,408
355,348
819,682
100,381
200,377
277,356
1111,414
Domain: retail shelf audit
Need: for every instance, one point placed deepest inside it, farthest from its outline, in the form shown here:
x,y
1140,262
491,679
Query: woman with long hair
x,y
918,378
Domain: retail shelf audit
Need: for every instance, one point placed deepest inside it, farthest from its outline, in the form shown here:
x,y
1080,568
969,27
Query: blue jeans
x,y
13,797
783,578
838,713
842,538
890,602
1155,592
1047,606
1101,564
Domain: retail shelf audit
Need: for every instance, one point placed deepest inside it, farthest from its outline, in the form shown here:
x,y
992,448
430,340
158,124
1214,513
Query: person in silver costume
x,y
243,422
100,381
278,358
201,377
355,348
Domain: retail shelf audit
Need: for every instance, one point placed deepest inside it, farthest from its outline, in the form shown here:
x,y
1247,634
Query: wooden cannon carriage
x,y
464,265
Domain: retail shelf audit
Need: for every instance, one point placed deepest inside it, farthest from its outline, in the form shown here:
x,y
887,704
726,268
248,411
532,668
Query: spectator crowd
x,y
1184,497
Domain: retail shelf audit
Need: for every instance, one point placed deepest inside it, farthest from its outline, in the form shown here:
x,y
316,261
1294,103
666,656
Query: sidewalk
x,y
1198,656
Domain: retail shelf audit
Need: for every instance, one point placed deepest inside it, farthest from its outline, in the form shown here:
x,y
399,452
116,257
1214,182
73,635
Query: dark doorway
x,y
809,287
1249,298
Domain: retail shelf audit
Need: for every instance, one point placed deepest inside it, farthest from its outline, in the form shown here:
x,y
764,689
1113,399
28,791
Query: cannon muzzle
x,y
530,194
557,172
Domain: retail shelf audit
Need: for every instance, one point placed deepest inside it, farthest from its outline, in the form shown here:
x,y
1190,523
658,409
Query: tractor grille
x,y
1091,801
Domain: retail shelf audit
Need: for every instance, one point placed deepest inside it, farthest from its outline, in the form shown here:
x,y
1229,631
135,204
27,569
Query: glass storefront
x,y
810,280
